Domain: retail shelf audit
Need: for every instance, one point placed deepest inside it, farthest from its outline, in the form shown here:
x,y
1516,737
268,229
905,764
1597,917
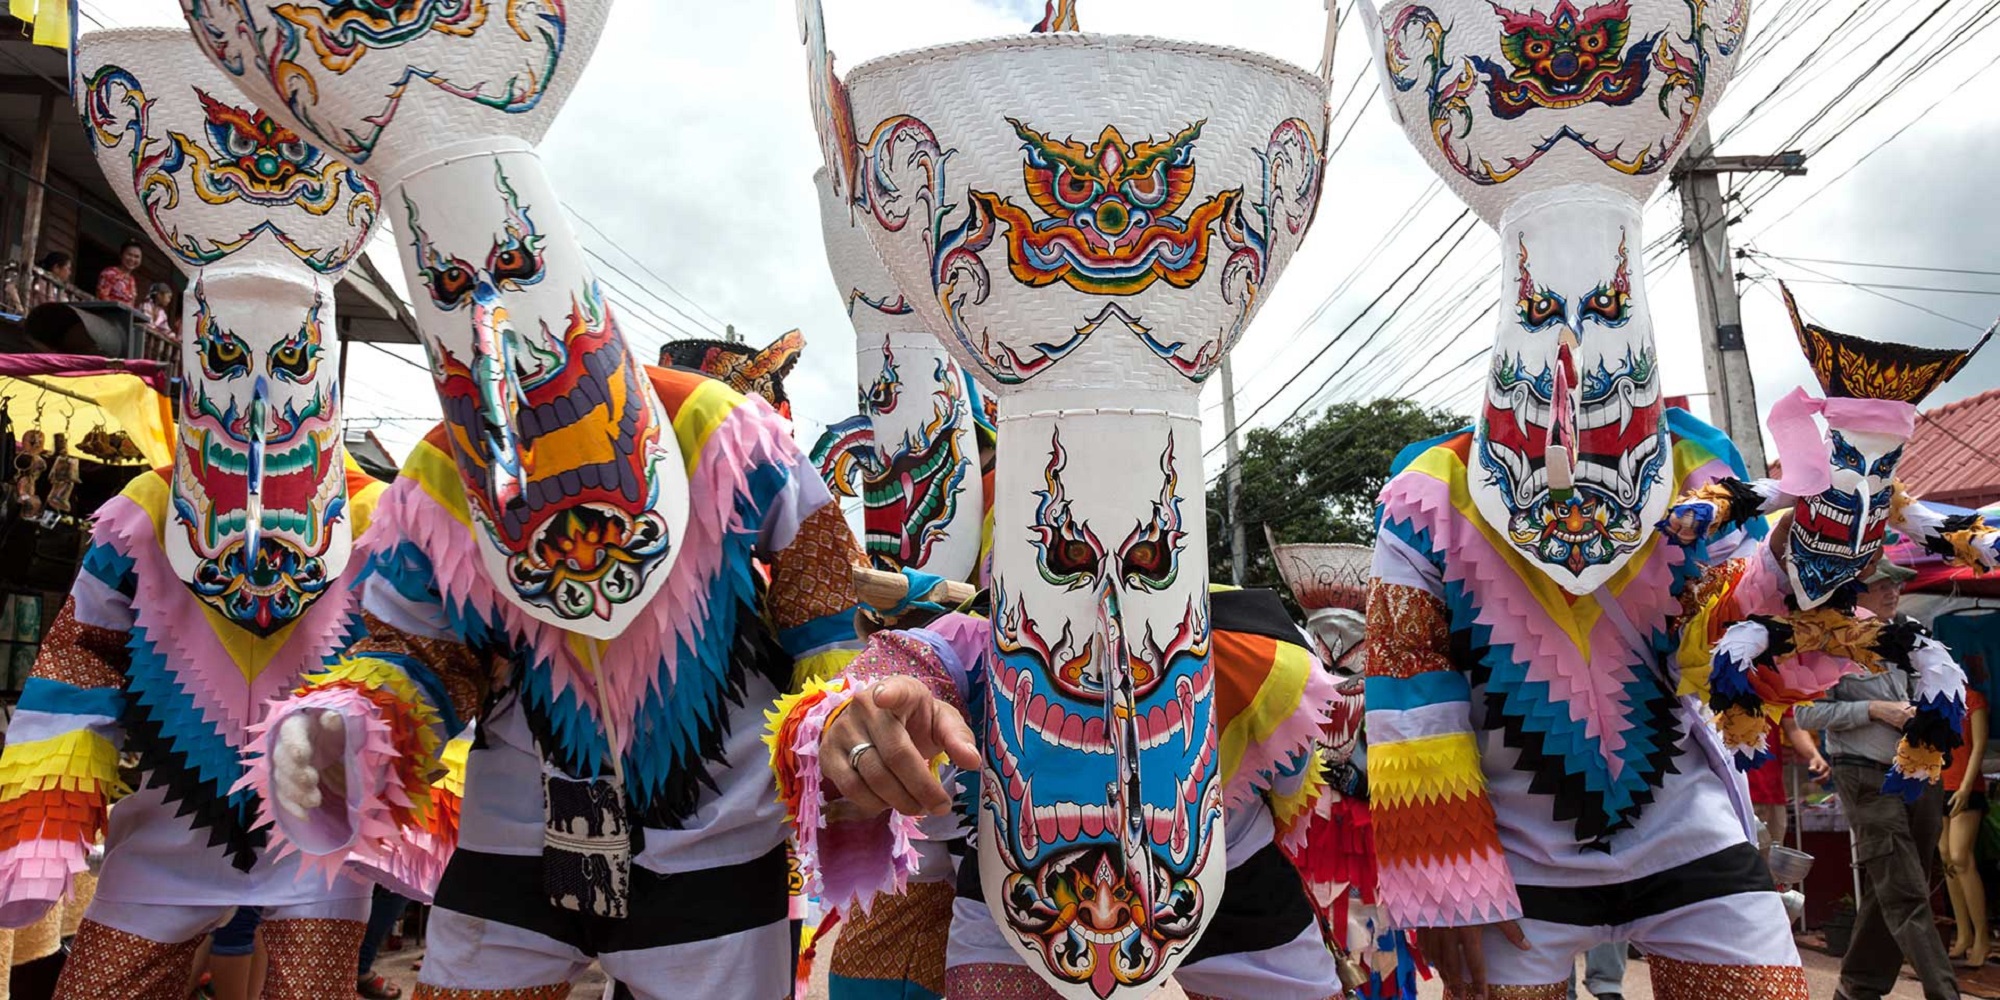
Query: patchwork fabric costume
x,y
213,585
1530,754
1842,491
576,556
1272,696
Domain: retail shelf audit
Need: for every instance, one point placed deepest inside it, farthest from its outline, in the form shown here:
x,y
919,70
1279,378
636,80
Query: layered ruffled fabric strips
x,y
1271,701
53,795
391,821
847,863
1750,690
1439,860
674,671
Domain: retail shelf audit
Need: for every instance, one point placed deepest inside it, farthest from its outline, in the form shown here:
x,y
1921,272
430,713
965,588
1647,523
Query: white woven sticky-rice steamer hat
x,y
146,85
1071,86
1326,575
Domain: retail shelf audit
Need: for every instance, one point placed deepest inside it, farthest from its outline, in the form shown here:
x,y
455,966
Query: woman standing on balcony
x,y
119,282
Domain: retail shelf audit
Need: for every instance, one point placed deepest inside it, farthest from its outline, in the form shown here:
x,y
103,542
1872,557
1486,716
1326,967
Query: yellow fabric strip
x,y
807,670
700,414
434,471
374,673
1287,808
1424,770
1277,698
454,759
80,761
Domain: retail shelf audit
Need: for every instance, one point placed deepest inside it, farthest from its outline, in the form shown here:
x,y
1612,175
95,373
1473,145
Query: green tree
x,y
1317,481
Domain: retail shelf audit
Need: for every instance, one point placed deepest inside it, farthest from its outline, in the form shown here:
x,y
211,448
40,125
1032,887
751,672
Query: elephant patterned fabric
x,y
625,746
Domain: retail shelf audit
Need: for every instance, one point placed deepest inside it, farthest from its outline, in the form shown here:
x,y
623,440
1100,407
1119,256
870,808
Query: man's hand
x,y
1817,767
1459,954
904,728
306,761
1892,713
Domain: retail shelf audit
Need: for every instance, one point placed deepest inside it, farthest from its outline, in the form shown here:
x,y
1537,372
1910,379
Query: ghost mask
x,y
1571,452
263,224
570,465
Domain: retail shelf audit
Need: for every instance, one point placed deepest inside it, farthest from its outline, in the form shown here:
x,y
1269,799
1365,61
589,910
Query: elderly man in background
x,y
1893,841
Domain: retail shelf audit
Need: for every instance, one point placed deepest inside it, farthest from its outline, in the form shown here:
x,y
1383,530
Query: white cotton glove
x,y
307,761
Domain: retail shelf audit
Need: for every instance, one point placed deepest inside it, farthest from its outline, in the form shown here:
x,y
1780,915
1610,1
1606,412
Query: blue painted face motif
x,y
1837,532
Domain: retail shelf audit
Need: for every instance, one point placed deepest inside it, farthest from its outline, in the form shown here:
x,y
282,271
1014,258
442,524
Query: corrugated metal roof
x,y
1954,457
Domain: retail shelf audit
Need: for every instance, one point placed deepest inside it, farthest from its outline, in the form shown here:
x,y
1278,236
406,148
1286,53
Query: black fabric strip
x,y
1263,905
666,909
1727,872
1256,612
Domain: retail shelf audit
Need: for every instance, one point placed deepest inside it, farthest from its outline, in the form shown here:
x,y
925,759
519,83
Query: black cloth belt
x,y
1263,906
1727,872
681,908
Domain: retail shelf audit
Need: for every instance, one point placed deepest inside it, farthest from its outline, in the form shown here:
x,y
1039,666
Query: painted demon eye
x,y
224,355
1594,42
1149,563
294,359
513,265
451,284
1074,190
1606,306
1073,558
1542,309
1147,191
297,152
1846,456
241,144
1539,48
1885,467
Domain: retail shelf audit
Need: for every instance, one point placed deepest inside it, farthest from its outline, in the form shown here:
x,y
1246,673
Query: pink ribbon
x,y
1805,452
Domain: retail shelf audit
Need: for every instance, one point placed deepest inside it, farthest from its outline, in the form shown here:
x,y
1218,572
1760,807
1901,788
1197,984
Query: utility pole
x,y
729,334
1732,395
1239,540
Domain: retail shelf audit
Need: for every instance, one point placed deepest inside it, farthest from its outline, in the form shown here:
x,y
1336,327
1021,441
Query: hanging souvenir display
x,y
913,456
623,563
218,583
1088,244
1841,489
1528,740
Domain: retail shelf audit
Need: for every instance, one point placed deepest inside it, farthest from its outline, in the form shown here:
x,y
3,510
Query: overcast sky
x,y
689,144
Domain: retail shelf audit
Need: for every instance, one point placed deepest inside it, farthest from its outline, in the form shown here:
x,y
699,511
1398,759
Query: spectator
x,y
383,913
158,309
120,282
1965,782
1864,717
234,968
57,269
1603,972
1773,801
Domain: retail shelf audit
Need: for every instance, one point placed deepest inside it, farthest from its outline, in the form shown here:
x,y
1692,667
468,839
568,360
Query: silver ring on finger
x,y
854,755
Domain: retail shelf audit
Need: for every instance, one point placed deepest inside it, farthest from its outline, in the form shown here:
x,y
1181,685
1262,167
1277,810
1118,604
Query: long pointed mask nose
x,y
1860,537
253,500
1560,454
1121,708
500,396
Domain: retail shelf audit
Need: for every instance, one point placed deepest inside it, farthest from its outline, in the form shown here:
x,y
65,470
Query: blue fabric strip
x,y
1401,694
57,698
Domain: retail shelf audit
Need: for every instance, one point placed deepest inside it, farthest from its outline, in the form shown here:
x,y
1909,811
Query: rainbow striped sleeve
x,y
1439,857
60,768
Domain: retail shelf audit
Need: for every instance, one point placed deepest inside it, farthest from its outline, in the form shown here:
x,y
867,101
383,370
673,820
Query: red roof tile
x,y
1954,457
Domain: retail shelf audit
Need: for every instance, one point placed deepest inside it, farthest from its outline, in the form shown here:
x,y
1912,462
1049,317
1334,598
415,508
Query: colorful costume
x,y
745,369
1262,943
1530,756
1334,846
573,556
1092,279
1843,494
215,584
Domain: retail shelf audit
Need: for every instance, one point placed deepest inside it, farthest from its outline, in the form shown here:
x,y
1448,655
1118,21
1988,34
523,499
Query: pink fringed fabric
x,y
847,862
362,822
1297,734
1459,892
206,668
37,873
751,436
